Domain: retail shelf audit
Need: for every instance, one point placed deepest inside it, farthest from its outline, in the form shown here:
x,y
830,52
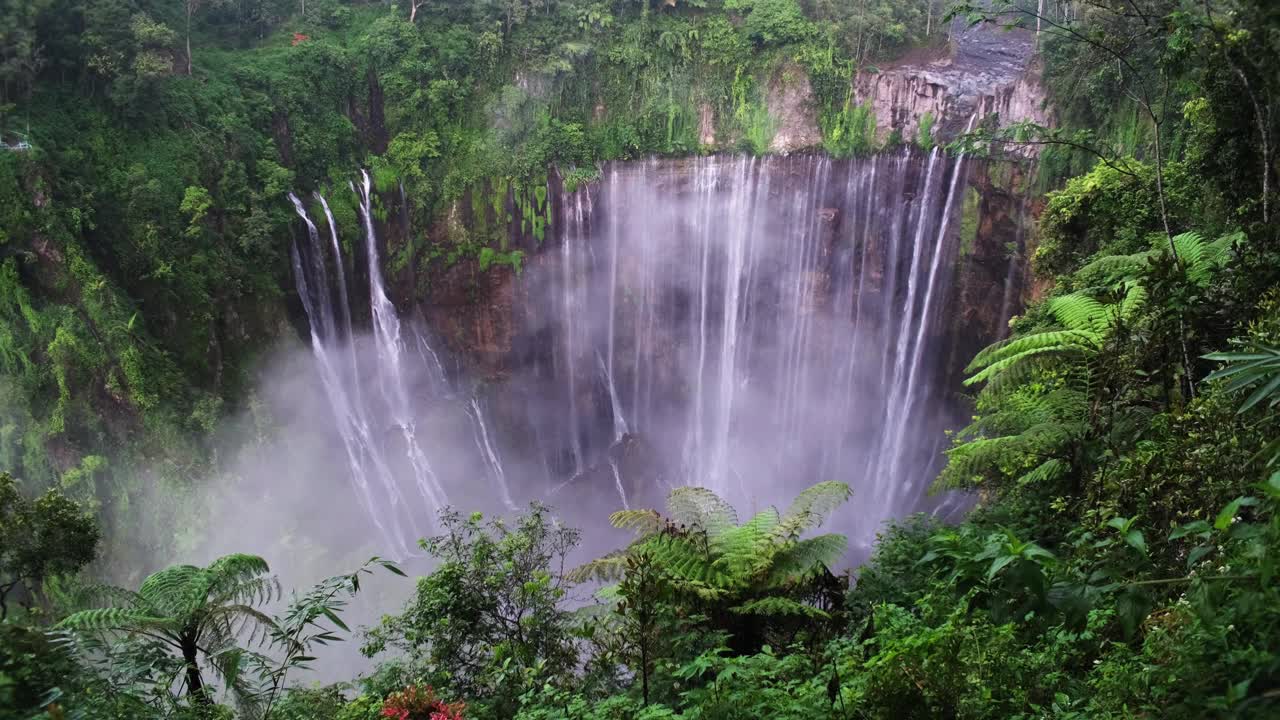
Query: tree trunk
x,y
189,37
195,684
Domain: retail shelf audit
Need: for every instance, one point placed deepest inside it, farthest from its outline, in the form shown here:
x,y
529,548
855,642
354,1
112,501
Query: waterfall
x,y
367,463
390,347
617,481
619,422
905,395
766,323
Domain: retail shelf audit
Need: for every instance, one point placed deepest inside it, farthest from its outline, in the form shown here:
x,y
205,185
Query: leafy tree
x,y
39,538
201,613
487,623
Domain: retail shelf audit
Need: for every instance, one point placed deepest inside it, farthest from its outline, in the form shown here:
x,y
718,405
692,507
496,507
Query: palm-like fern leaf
x,y
742,549
779,606
698,507
1048,340
1198,258
806,558
97,619
643,522
609,568
1080,312
1115,267
703,553
810,508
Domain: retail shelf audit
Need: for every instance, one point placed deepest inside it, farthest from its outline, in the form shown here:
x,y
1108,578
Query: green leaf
x,y
1200,528
1197,554
1223,521
392,568
999,564
333,617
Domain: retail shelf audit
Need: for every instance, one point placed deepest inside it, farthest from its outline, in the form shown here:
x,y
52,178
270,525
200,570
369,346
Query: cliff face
x,y
984,73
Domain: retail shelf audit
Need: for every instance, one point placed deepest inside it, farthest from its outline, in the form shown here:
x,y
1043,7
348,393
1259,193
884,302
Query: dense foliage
x,y
1124,451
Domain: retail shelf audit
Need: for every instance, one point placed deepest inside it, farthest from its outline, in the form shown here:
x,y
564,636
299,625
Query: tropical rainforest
x,y
1121,557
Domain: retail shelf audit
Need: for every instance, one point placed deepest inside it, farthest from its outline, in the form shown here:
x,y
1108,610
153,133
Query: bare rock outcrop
x,y
986,72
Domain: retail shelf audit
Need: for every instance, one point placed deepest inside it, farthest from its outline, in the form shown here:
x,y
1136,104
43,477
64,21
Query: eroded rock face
x,y
986,72
793,111
984,75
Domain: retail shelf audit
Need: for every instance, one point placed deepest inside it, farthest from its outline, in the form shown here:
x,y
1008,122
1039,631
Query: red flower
x,y
299,37
420,703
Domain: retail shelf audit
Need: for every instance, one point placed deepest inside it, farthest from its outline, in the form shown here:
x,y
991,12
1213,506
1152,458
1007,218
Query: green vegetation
x,y
1121,560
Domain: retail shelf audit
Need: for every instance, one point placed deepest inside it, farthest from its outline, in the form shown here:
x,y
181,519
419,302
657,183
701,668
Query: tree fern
x,y
806,558
199,611
811,508
702,553
98,619
697,507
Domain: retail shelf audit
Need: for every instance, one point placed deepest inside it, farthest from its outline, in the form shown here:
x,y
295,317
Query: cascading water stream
x,y
386,333
376,486
490,455
617,481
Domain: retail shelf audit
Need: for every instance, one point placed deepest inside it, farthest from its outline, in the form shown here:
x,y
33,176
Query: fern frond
x,y
643,522
238,618
811,508
1115,267
968,461
806,558
1135,297
1080,312
686,561
1045,472
743,548
1047,339
1015,363
609,568
779,606
236,568
256,590
98,619
698,507
174,590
